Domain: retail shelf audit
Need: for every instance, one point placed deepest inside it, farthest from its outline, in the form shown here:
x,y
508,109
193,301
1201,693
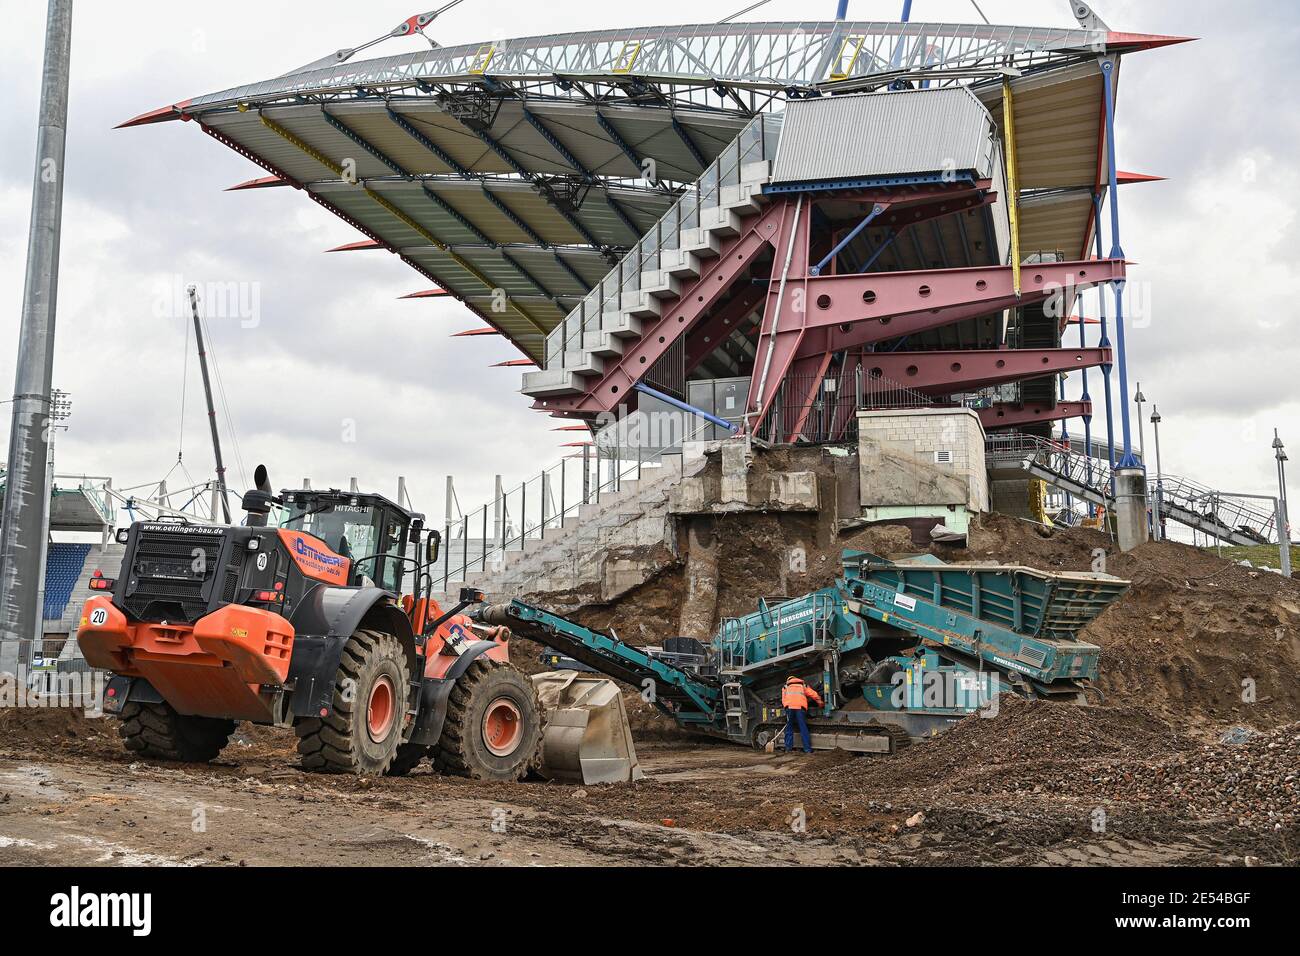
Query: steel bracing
x,y
767,57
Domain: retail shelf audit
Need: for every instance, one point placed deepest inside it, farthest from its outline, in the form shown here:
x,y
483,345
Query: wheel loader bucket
x,y
588,739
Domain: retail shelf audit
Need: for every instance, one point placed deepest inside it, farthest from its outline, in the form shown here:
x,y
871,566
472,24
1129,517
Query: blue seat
x,y
63,566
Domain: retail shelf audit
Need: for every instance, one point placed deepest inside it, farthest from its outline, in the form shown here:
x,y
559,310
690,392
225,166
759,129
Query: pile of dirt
x,y
1198,638
646,615
63,732
1201,639
650,723
47,731
999,751
1256,783
1103,757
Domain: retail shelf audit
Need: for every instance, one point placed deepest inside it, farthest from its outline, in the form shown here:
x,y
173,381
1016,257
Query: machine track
x,y
771,731
493,729
346,741
156,731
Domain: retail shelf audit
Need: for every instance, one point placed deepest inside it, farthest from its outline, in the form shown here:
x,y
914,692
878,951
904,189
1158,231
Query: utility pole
x,y
22,521
212,411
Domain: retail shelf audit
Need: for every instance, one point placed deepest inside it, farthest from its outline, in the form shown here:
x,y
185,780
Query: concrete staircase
x,y
595,335
106,558
606,547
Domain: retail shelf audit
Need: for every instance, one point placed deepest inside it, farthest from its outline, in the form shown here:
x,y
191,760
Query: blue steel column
x,y
1104,342
897,59
1065,436
1085,397
1117,252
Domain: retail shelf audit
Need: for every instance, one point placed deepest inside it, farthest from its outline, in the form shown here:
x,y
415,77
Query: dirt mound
x,y
646,615
992,752
649,723
1255,783
57,730
823,760
1096,757
1198,639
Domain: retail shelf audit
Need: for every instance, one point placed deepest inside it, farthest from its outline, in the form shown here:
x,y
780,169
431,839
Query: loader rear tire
x,y
493,729
363,730
407,759
157,732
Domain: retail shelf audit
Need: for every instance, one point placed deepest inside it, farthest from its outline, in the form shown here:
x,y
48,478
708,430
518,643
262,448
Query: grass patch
x,y
1260,555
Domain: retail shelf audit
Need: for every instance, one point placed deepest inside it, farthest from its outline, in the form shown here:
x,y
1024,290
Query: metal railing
x,y
480,540
739,635
755,143
1171,496
1214,507
824,408
97,490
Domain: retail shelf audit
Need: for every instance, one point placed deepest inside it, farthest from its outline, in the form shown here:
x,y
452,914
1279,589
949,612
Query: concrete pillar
x,y
736,459
1130,508
700,602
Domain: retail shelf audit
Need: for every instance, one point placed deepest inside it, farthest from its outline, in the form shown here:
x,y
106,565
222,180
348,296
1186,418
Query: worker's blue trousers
x,y
799,715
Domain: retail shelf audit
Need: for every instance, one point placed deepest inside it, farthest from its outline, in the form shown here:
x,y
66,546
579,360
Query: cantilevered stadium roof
x,y
528,166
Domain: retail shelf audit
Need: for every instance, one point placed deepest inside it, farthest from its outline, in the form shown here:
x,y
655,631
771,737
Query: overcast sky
x,y
1217,246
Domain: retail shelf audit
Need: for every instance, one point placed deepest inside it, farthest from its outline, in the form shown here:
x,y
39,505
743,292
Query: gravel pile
x,y
1120,757
1254,783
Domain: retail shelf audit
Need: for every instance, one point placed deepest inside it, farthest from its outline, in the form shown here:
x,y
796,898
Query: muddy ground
x,y
1192,760
1038,785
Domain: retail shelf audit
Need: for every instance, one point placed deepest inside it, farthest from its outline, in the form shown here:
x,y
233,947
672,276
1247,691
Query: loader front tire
x,y
158,732
493,729
363,730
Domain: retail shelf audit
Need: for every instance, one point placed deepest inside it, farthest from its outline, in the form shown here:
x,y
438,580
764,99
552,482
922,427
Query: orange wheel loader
x,y
306,625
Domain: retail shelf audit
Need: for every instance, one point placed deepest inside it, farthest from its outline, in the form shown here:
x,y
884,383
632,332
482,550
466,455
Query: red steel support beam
x,y
1014,416
265,182
849,299
852,335
946,372
831,313
717,275
903,214
785,317
703,340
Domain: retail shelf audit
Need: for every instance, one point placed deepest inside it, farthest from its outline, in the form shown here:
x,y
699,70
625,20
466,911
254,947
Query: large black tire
x,y
157,732
491,703
407,759
351,739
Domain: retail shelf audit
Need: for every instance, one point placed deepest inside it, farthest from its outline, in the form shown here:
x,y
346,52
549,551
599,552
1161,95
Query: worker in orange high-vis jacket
x,y
794,698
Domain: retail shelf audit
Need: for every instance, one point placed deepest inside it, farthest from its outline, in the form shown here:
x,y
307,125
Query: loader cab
x,y
370,530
